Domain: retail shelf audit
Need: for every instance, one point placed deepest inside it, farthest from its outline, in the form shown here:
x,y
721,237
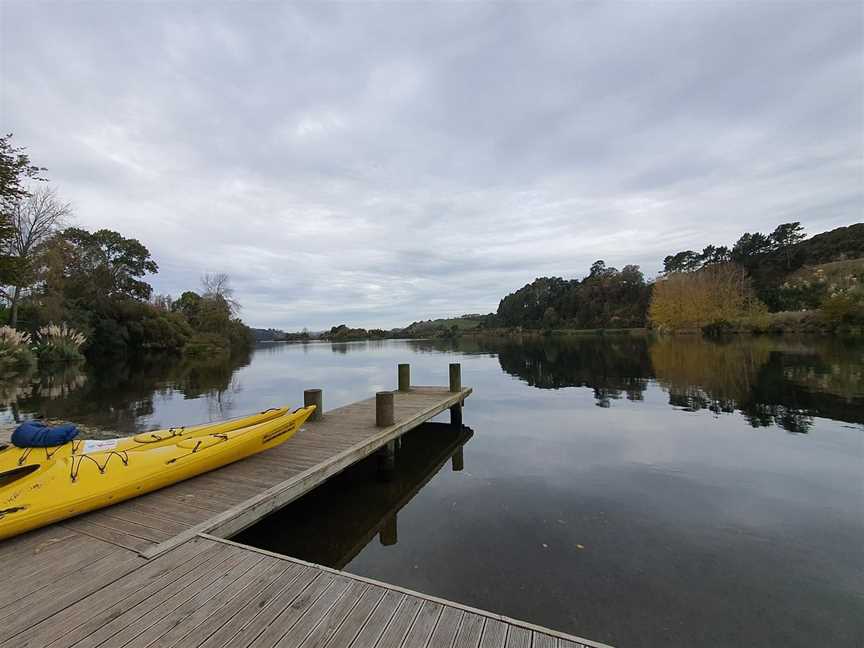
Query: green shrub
x,y
16,356
845,306
799,322
207,345
59,344
128,327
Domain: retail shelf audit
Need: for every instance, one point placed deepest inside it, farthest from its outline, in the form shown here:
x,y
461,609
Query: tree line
x,y
758,275
97,282
605,298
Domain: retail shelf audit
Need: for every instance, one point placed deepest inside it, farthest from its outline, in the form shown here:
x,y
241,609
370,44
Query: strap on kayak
x,y
155,438
197,447
50,451
76,465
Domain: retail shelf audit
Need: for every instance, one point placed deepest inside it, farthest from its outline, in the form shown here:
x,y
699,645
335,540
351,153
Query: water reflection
x,y
359,503
119,398
770,380
54,385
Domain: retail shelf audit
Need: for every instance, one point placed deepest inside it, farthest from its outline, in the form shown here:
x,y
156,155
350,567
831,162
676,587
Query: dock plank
x,y
445,631
175,625
315,614
518,637
374,627
540,640
66,590
423,626
494,634
140,617
289,615
249,608
470,631
293,595
400,624
224,606
344,635
145,584
326,628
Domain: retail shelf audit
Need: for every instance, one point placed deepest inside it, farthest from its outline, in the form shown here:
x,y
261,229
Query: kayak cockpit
x,y
7,477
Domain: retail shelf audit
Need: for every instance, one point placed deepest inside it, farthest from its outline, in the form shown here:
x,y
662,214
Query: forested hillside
x,y
760,271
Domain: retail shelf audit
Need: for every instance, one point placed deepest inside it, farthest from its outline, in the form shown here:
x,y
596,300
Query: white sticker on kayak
x,y
97,445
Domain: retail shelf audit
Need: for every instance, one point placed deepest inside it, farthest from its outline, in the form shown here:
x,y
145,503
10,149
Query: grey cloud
x,y
381,163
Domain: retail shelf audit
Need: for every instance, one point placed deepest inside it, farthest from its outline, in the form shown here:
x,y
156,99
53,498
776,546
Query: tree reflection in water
x,y
115,399
769,380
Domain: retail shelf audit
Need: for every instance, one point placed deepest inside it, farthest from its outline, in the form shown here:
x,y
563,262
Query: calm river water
x,y
639,492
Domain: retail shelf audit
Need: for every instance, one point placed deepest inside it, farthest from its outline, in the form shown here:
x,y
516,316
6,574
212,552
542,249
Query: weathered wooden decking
x,y
213,593
158,571
225,501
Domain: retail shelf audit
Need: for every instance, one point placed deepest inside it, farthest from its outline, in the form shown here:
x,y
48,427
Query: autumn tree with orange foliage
x,y
691,300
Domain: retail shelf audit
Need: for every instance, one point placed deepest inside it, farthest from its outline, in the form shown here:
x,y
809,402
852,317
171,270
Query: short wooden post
x,y
404,377
384,409
456,386
455,377
457,461
314,397
388,535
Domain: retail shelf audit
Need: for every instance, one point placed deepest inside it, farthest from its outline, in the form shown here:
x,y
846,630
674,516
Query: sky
x,y
377,164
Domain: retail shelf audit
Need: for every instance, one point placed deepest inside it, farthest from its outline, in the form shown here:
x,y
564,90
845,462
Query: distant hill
x,y
836,245
267,335
787,277
609,298
769,269
772,271
449,326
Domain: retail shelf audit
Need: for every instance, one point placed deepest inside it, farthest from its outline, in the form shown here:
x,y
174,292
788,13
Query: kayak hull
x,y
54,484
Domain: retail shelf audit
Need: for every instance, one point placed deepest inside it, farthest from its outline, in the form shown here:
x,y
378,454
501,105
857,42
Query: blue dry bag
x,y
35,434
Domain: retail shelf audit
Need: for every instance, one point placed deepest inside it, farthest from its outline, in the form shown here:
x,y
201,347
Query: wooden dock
x,y
159,570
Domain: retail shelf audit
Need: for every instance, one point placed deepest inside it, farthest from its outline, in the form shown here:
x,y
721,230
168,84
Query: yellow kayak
x,y
13,457
52,484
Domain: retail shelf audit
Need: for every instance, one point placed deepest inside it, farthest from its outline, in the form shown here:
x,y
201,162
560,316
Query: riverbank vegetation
x,y
777,283
75,292
16,355
762,283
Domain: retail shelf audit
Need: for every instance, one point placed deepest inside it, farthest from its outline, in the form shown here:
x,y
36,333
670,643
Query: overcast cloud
x,y
377,164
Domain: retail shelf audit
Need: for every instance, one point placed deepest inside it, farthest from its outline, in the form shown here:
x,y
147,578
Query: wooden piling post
x,y
456,386
384,416
404,377
314,397
455,377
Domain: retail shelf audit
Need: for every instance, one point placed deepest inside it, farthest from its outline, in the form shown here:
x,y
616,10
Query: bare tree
x,y
34,218
218,285
164,303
